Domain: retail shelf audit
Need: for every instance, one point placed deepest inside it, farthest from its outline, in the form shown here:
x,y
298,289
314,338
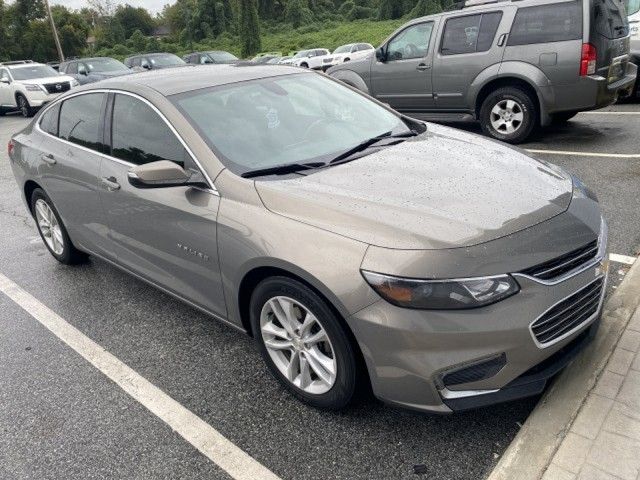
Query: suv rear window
x,y
610,18
470,34
549,23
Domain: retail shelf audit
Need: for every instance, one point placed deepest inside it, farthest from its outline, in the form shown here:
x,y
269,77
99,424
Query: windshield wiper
x,y
369,143
282,169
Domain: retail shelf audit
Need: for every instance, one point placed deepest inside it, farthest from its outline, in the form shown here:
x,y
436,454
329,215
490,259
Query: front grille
x,y
328,60
565,263
476,372
57,87
569,314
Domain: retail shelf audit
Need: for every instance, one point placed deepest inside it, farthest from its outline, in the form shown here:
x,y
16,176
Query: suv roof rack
x,y
475,3
16,62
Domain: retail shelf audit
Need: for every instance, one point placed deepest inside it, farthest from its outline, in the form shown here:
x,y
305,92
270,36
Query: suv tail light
x,y
10,147
588,60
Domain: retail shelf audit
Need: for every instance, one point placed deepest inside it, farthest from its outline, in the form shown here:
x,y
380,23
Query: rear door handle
x,y
110,183
422,67
48,158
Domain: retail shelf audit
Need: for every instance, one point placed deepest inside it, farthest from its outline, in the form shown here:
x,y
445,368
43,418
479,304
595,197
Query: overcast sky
x,y
154,6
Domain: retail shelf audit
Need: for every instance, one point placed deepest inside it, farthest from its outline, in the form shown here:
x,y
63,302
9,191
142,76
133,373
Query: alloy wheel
x,y
49,227
507,116
298,345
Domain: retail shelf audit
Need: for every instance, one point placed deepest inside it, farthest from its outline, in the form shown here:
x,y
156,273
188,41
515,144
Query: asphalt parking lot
x,y
60,417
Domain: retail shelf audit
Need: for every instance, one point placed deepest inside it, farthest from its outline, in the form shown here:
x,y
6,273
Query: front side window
x,y
284,119
105,65
166,60
223,57
633,6
470,34
549,23
412,42
139,135
4,75
80,120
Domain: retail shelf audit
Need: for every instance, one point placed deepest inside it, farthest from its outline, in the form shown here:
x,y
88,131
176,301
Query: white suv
x,y
347,53
310,58
27,86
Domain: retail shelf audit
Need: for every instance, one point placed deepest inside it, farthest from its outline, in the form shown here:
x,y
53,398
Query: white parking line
x,y
584,154
627,260
238,464
609,113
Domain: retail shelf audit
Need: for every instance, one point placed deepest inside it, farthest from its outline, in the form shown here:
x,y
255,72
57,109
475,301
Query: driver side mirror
x,y
5,80
163,174
146,66
83,71
381,55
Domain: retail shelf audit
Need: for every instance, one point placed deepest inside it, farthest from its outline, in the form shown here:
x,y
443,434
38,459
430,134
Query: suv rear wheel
x,y
508,114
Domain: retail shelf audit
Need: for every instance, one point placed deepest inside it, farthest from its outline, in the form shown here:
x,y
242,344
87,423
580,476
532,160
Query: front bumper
x,y
38,98
409,352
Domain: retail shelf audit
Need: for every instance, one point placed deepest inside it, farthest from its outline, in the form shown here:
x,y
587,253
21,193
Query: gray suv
x,y
510,65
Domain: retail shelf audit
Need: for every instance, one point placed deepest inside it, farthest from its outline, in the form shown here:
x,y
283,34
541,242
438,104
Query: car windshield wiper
x,y
282,169
369,143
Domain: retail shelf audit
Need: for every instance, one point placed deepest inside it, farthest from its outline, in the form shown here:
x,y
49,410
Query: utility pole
x,y
55,32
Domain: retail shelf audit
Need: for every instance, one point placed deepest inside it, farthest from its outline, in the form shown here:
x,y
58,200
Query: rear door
x,y
165,235
467,46
70,156
403,80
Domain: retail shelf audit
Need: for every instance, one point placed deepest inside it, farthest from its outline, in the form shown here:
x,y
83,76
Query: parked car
x,y
510,65
89,70
55,65
27,86
286,60
356,245
346,53
633,10
214,56
154,61
310,58
263,59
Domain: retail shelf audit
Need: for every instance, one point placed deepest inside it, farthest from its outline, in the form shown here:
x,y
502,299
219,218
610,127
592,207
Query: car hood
x,y
443,189
44,80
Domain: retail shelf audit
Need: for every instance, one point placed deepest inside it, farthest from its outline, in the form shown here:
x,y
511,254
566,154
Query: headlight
x,y
32,88
455,294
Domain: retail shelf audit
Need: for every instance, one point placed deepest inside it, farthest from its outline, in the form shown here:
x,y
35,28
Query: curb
x,y
533,448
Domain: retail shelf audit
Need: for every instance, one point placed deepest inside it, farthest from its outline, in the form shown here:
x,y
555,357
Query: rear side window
x,y
49,121
139,135
80,120
470,34
550,23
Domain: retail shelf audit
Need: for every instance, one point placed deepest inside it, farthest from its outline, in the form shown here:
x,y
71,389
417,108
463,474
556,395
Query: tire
x,y
23,106
336,351
59,244
510,101
304,65
562,117
2,112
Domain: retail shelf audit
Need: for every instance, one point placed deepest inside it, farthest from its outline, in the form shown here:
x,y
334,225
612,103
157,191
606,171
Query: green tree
x,y
297,13
390,9
5,46
249,28
426,7
133,19
137,42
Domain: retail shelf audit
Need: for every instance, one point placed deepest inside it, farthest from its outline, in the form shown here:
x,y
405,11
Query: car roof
x,y
23,65
171,81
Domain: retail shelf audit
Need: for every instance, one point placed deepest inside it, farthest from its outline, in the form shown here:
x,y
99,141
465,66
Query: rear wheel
x,y
52,230
508,114
23,106
303,343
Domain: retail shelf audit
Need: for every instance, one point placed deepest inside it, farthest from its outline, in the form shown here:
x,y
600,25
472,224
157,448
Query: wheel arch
x,y
28,189
501,82
351,78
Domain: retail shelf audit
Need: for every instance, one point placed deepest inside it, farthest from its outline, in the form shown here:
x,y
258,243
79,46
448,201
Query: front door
x,y
469,45
403,79
6,96
166,235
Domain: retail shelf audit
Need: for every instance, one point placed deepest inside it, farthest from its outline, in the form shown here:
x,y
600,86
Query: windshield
x,y
166,60
343,49
105,65
633,6
221,57
35,71
282,120
302,54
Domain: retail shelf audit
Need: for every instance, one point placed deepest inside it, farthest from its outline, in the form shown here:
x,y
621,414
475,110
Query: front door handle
x,y
423,67
48,158
502,39
110,183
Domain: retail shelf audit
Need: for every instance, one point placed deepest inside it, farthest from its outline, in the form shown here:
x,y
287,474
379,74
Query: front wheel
x,y
52,230
304,65
24,107
508,114
303,343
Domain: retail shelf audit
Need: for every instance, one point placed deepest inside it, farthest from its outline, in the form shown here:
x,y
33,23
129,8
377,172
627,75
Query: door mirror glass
x,y
161,174
82,70
381,54
5,80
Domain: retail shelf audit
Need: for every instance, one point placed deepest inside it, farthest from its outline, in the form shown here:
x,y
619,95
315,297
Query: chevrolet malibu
x,y
363,250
